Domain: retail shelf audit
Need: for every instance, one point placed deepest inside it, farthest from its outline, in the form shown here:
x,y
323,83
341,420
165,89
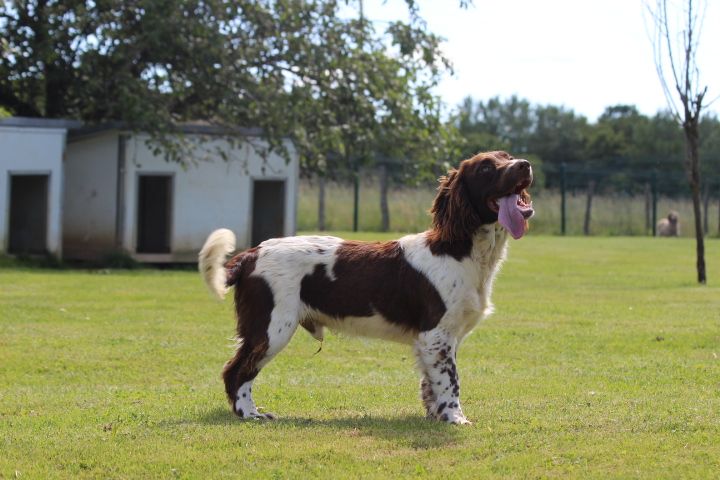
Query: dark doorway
x,y
28,213
154,213
268,211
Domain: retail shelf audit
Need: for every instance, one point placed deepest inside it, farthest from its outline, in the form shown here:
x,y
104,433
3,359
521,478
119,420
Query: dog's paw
x,y
455,418
266,416
461,421
254,415
260,416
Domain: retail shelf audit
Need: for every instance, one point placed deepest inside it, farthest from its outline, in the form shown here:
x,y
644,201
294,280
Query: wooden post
x,y
384,209
588,207
654,202
356,199
321,203
648,209
562,199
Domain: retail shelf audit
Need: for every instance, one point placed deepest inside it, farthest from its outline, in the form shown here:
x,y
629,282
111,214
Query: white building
x,y
82,193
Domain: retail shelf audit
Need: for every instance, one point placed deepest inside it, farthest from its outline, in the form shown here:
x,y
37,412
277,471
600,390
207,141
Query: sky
x,y
584,55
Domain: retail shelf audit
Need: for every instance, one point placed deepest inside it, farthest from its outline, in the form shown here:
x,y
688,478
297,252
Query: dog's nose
x,y
523,165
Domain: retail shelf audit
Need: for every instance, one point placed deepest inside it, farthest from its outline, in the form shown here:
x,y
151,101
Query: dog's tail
x,y
211,260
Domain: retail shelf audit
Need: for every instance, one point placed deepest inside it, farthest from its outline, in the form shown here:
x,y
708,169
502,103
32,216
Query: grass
x,y
601,361
614,215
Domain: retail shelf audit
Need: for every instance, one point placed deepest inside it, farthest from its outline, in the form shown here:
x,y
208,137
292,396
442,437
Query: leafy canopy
x,y
340,89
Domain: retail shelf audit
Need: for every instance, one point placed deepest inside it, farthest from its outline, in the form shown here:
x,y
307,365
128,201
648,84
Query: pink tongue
x,y
510,216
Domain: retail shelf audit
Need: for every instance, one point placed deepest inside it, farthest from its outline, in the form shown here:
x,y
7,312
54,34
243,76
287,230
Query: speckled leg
x,y
436,351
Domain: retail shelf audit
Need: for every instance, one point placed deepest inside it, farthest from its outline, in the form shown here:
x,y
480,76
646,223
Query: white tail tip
x,y
211,260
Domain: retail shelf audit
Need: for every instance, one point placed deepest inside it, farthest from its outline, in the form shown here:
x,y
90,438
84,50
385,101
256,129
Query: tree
x,y
496,124
559,136
298,70
675,49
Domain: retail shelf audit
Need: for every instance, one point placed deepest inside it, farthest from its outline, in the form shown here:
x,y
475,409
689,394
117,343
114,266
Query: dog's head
x,y
484,189
673,218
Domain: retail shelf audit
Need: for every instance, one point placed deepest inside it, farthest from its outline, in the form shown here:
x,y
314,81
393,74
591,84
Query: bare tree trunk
x,y
321,204
588,206
384,210
679,45
648,209
692,141
706,207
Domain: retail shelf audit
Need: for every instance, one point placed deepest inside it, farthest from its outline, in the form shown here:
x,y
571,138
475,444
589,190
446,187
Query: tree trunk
x,y
706,207
648,209
384,210
588,206
321,204
692,147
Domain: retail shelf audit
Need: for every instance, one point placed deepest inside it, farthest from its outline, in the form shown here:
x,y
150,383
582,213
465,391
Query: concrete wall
x,y
90,196
208,193
23,151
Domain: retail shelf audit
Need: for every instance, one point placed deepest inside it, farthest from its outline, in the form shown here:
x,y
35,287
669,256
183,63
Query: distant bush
x,y
119,259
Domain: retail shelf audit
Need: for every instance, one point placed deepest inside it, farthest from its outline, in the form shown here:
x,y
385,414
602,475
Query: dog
x,y
427,290
669,227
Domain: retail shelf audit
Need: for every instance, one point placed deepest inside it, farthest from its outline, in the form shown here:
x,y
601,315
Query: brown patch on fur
x,y
374,278
253,305
308,324
461,205
242,262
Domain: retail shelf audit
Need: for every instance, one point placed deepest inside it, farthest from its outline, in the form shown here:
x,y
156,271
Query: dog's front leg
x,y
436,351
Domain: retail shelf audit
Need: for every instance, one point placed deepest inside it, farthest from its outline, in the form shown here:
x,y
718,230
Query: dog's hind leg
x,y
435,351
259,344
239,374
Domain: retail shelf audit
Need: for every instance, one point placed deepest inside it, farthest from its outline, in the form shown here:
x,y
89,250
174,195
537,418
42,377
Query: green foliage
x,y
119,259
601,361
342,91
619,151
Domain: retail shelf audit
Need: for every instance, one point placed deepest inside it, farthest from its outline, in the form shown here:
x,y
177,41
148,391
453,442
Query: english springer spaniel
x,y
427,290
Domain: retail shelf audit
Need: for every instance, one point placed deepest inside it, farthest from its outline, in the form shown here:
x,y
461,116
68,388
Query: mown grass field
x,y
601,361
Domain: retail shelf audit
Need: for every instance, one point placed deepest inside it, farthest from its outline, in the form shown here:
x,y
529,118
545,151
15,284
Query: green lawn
x,y
601,361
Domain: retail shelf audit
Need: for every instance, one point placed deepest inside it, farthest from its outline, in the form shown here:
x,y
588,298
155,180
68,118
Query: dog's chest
x,y
488,253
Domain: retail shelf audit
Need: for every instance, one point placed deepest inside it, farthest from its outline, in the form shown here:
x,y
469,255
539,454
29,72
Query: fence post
x,y
562,198
654,202
356,199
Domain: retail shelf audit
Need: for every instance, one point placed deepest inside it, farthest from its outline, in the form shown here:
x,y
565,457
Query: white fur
x,y
464,286
211,259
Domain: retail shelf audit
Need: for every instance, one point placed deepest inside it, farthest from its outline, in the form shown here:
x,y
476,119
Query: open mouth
x,y
512,209
524,208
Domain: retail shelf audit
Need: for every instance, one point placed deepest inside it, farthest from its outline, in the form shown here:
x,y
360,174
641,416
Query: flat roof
x,y
31,122
78,129
186,128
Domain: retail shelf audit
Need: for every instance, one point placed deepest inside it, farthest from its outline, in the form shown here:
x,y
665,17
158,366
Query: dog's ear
x,y
453,216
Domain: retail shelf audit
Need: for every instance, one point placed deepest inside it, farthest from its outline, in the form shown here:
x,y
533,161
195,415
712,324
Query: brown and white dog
x,y
427,290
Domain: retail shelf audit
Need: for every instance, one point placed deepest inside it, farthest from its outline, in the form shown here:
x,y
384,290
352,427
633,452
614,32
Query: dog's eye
x,y
487,168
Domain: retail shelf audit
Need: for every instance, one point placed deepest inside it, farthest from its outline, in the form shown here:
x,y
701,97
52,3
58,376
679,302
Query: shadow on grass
x,y
412,430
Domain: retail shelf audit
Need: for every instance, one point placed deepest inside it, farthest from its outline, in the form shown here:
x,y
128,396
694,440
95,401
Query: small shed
x,y
118,194
31,184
